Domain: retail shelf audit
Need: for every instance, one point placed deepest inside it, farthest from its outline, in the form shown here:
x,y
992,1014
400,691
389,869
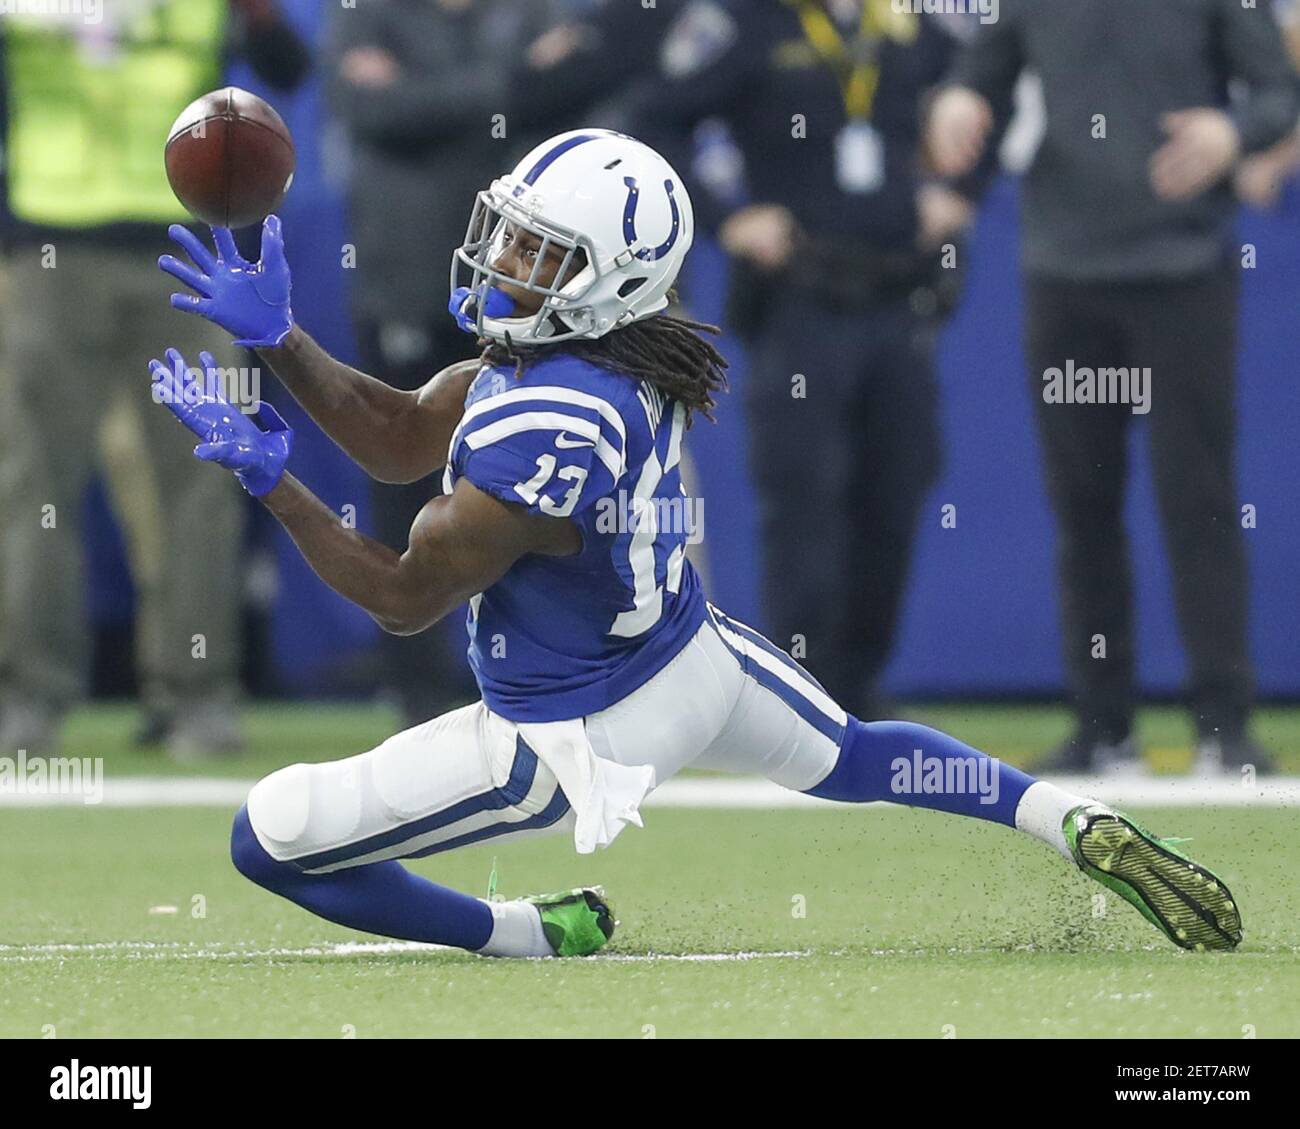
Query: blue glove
x,y
256,454
464,306
250,300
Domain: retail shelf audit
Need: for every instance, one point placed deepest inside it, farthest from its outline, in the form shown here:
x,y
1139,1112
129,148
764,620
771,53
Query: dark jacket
x,y
762,72
750,63
424,146
1089,211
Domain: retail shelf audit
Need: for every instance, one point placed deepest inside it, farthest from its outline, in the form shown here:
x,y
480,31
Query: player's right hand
x,y
249,300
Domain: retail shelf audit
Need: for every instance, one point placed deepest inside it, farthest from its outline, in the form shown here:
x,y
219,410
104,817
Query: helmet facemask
x,y
561,315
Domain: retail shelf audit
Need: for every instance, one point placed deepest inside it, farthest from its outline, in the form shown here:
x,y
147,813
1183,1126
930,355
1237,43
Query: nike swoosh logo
x,y
562,441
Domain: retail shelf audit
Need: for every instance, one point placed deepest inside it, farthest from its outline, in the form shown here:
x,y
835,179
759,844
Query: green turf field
x,y
878,921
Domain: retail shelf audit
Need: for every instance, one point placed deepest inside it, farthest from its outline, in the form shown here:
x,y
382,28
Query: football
x,y
230,158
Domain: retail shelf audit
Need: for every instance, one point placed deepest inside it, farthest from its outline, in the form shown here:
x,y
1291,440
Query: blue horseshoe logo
x,y
649,254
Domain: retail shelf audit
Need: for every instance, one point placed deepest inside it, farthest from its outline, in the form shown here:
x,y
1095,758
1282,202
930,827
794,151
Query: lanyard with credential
x,y
858,79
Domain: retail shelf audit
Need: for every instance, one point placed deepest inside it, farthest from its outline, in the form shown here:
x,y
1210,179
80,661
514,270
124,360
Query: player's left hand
x,y
1203,145
250,300
255,447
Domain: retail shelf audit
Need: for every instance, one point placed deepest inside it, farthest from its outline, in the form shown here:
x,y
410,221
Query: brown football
x,y
229,158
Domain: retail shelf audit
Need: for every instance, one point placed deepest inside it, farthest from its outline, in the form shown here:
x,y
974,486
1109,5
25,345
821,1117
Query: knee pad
x,y
305,808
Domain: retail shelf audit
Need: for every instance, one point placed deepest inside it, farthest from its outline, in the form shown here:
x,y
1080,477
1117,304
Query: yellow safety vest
x,y
89,107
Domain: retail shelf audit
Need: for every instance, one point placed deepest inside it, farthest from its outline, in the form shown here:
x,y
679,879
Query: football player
x,y
603,669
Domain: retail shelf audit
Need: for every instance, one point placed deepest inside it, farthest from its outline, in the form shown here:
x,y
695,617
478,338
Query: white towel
x,y
604,794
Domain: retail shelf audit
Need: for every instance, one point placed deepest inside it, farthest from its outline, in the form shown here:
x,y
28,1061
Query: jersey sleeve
x,y
555,450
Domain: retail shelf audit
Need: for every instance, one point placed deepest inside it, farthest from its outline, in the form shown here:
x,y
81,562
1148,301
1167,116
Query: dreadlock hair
x,y
666,351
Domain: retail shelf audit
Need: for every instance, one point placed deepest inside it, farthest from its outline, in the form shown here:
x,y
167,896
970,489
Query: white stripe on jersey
x,y
652,401
676,559
551,421
647,599
674,453
555,393
787,674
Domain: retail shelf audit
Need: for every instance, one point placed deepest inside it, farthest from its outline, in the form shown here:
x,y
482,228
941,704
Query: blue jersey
x,y
563,637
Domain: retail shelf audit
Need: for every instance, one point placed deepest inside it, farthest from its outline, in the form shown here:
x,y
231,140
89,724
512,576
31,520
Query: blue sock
x,y
378,897
921,767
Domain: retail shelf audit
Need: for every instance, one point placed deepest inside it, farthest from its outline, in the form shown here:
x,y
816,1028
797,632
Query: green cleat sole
x,y
1186,902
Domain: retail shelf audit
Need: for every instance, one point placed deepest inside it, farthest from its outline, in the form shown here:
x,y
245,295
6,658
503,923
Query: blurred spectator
x,y
1260,176
1128,258
838,284
421,86
86,108
578,72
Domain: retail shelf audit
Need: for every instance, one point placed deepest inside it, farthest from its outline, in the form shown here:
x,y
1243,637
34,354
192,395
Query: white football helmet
x,y
594,191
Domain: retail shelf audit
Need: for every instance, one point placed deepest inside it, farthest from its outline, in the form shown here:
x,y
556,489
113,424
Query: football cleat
x,y
1182,899
576,922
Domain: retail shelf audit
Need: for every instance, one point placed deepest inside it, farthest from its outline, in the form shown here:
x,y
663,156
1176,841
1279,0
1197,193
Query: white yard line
x,y
217,951
246,951
739,793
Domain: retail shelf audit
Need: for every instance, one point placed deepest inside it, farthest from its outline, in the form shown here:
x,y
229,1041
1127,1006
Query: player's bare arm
x,y
394,435
460,545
